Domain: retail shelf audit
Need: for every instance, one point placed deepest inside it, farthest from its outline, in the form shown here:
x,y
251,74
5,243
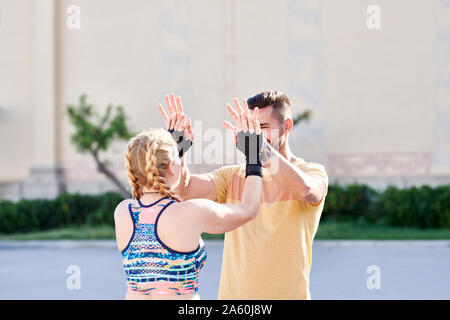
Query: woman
x,y
157,233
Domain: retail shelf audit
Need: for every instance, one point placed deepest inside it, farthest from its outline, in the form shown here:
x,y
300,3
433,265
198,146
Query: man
x,y
270,256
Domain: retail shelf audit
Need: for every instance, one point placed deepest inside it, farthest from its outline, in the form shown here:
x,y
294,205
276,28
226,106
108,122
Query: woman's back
x,y
152,268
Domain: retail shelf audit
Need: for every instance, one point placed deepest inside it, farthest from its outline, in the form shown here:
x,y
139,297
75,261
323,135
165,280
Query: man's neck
x,y
285,151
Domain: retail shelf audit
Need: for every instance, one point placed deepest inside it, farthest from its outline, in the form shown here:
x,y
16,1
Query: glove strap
x,y
182,143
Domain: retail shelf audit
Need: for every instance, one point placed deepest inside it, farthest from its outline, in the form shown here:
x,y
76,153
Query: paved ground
x,y
408,270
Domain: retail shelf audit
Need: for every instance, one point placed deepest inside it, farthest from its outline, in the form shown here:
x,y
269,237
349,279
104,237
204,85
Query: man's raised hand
x,y
244,120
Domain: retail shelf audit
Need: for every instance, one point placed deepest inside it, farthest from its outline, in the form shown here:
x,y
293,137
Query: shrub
x,y
423,207
65,210
354,202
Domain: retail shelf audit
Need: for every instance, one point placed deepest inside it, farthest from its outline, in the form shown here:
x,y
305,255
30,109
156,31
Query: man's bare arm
x,y
305,187
195,186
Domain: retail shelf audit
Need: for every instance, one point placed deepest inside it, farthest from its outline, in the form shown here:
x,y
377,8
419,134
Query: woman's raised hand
x,y
175,119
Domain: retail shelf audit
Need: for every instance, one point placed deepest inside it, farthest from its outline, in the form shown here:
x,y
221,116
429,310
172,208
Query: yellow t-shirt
x,y
270,256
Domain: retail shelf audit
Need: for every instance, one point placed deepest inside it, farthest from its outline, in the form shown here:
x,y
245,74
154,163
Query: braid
x,y
154,179
154,148
137,190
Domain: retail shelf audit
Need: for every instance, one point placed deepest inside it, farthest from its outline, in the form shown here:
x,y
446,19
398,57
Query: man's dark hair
x,y
278,100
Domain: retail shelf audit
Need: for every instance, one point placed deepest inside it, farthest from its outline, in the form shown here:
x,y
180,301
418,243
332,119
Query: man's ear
x,y
288,124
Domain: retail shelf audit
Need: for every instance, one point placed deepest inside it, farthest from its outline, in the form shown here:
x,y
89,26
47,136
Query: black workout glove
x,y
183,143
251,145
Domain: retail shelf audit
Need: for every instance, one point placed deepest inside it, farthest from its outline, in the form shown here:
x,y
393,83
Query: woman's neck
x,y
150,196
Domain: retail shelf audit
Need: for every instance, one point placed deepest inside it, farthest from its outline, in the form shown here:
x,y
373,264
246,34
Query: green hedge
x,y
422,207
67,209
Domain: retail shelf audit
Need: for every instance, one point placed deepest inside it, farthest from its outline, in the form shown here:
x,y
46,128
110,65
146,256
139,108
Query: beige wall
x,y
16,86
378,97
379,87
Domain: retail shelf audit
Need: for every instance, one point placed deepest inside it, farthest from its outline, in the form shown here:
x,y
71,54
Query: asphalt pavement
x,y
340,270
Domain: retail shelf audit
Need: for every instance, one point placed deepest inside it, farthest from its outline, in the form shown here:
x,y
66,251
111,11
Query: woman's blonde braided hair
x,y
147,157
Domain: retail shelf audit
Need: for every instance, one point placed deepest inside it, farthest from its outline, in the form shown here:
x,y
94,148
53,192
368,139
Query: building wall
x,y
379,89
379,98
16,85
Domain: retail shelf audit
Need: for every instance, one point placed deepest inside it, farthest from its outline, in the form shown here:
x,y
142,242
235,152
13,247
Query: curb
x,y
64,244
383,243
60,244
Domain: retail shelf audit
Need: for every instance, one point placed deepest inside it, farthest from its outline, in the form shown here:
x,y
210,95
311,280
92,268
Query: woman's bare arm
x,y
208,216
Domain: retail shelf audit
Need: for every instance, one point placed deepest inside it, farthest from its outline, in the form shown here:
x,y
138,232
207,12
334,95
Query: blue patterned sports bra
x,y
151,267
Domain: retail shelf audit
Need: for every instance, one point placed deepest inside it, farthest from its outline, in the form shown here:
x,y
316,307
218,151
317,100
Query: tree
x,y
95,133
299,117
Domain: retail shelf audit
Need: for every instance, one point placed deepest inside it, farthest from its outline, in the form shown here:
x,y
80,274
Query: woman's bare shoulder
x,y
189,211
193,204
122,209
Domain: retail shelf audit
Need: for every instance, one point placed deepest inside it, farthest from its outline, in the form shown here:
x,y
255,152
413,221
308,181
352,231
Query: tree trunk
x,y
111,176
